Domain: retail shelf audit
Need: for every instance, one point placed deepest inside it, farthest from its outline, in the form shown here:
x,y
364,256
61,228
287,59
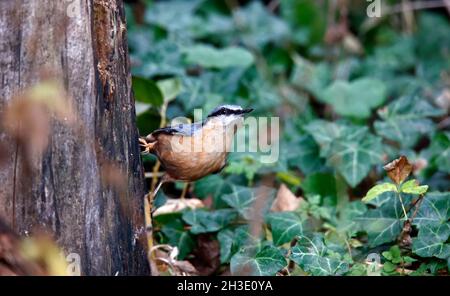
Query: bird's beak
x,y
247,111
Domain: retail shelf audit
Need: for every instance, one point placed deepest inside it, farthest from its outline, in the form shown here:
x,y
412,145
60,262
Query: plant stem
x,y
401,202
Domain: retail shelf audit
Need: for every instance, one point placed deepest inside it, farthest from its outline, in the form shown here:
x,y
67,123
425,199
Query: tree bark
x,y
87,186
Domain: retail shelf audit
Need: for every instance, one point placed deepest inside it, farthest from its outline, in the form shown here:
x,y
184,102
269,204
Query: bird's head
x,y
228,114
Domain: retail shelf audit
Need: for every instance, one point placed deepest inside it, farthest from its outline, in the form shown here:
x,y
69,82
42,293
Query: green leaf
x,y
412,187
170,88
257,26
247,164
177,236
235,240
306,157
346,222
323,184
384,224
148,121
351,150
324,132
175,16
210,57
242,199
394,254
214,186
431,241
406,119
311,254
377,190
354,154
225,238
285,226
434,210
389,267
203,221
358,269
266,262
357,98
146,91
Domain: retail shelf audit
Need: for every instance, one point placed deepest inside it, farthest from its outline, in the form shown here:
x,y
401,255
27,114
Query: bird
x,y
189,152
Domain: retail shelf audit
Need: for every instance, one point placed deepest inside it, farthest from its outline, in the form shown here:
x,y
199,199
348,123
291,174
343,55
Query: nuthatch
x,y
189,152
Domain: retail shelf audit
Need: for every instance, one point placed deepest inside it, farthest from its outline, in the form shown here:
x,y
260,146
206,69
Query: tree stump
x,y
86,186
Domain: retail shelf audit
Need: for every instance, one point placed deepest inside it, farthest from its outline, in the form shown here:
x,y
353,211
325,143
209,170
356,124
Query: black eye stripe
x,y
225,111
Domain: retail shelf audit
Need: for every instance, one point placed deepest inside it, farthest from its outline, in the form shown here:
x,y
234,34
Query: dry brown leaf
x,y
285,200
177,205
206,255
399,169
165,262
185,268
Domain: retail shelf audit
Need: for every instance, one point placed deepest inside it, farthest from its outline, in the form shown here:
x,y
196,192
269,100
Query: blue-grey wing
x,y
179,129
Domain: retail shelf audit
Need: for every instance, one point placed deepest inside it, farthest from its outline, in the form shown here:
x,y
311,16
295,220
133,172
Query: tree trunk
x,y
86,186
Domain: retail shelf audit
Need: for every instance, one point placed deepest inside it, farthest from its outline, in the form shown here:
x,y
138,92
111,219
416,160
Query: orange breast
x,y
190,158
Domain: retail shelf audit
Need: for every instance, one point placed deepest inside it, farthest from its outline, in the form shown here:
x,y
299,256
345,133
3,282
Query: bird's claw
x,y
146,145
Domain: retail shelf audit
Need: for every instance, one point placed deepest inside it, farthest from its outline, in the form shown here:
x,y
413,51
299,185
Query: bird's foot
x,y
147,146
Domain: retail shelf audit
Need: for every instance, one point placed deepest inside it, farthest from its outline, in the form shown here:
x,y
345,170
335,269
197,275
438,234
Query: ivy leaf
x,y
357,98
354,153
285,226
242,199
266,262
434,210
210,57
306,157
351,150
233,240
413,187
406,119
203,221
324,132
377,190
214,186
346,222
225,238
431,241
177,236
311,254
383,224
147,91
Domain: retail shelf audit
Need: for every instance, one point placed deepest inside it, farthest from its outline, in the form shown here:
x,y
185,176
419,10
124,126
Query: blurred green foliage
x,y
352,93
